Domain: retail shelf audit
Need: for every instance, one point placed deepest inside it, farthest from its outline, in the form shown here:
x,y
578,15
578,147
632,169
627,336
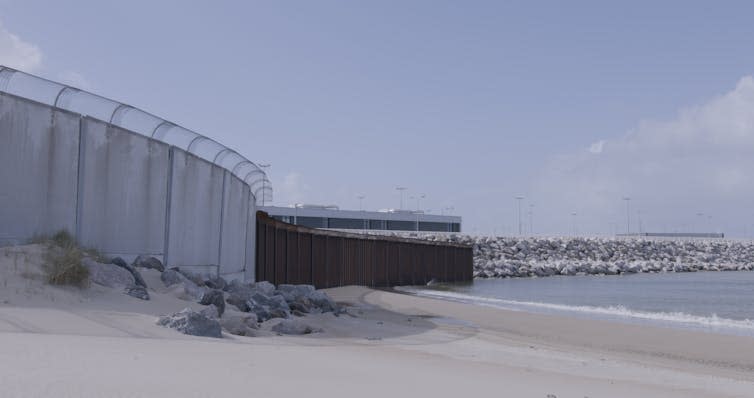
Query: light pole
x,y
531,219
573,223
519,199
701,222
628,215
401,189
264,166
418,198
361,199
638,217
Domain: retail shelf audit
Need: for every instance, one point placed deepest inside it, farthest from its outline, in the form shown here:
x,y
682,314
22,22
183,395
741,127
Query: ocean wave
x,y
610,312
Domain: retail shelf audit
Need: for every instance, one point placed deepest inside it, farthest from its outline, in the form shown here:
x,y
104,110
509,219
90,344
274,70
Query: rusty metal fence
x,y
289,253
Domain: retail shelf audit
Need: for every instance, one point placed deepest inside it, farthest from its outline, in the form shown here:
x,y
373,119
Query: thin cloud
x,y
700,161
292,190
75,79
597,146
18,54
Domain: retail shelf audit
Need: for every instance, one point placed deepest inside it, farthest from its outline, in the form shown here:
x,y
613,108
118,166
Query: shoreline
x,y
665,318
383,342
727,353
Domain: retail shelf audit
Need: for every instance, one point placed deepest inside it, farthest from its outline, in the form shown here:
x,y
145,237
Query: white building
x,y
331,217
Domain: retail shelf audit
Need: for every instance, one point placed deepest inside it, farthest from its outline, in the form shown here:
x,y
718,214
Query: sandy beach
x,y
97,342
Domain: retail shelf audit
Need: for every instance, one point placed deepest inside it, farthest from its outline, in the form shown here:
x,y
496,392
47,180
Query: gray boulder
x,y
240,325
192,323
235,286
301,305
191,291
140,292
137,276
172,277
196,278
247,290
211,312
294,292
215,282
148,262
295,327
261,311
216,298
323,301
109,275
237,301
273,302
279,313
119,262
264,287
268,307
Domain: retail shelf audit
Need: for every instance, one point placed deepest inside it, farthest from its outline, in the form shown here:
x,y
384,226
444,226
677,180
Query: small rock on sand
x,y
192,323
294,327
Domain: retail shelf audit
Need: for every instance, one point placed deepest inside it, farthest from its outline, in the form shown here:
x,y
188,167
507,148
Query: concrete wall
x,y
119,192
235,216
38,170
122,190
195,211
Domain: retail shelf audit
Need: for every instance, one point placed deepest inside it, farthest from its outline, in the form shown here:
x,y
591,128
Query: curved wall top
x,y
128,117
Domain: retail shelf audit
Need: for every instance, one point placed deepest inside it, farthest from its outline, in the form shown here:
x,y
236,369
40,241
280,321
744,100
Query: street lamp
x,y
531,218
418,198
401,189
264,166
701,222
361,198
519,199
628,215
573,223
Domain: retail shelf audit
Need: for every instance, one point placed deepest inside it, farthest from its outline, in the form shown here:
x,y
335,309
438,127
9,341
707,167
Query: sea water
x,y
720,302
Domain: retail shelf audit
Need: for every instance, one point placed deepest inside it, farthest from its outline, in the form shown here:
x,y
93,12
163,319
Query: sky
x,y
573,106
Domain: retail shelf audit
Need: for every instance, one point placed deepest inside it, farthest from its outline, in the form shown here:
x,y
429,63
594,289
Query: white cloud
x,y
75,79
292,190
17,53
597,146
27,57
700,161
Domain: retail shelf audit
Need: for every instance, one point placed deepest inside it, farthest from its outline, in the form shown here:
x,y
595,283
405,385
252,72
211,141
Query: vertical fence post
x,y
222,216
168,199
311,259
246,242
79,180
258,250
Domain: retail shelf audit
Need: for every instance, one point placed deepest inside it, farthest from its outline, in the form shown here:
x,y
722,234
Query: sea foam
x,y
619,313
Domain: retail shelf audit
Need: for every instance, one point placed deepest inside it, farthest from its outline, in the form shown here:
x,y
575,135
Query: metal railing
x,y
128,117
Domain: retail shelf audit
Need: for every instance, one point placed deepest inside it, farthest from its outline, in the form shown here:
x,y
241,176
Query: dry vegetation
x,y
62,261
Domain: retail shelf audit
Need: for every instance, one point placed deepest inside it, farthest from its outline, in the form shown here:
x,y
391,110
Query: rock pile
x,y
117,274
498,257
259,302
266,301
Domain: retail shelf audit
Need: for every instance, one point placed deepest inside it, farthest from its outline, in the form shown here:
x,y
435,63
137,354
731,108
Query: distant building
x,y
331,217
697,235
